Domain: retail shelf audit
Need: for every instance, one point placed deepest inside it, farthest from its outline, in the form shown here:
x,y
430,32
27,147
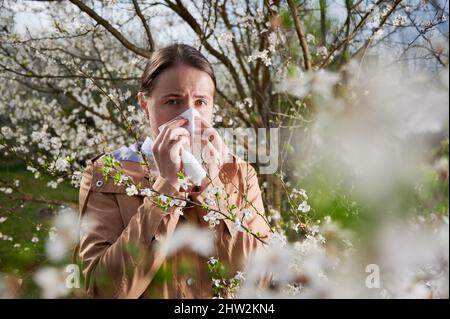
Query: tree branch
x,y
151,43
111,29
181,10
301,35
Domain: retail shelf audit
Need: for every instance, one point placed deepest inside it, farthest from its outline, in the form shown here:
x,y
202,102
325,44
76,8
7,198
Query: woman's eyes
x,y
174,102
202,101
177,102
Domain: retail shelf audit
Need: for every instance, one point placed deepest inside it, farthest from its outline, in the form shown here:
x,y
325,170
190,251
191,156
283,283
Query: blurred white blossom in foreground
x,y
382,130
411,262
199,240
51,280
64,234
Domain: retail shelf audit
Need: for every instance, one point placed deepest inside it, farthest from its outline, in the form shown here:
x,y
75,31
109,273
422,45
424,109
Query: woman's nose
x,y
188,104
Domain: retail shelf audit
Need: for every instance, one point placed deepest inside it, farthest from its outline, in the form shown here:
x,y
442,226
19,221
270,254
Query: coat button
x,y
99,183
190,281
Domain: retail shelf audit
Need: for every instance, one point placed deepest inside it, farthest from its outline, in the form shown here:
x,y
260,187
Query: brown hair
x,y
170,56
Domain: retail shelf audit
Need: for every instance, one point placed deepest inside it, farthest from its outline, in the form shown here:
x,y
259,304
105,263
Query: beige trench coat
x,y
119,232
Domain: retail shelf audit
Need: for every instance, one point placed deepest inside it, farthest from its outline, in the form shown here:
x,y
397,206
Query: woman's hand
x,y
167,150
214,151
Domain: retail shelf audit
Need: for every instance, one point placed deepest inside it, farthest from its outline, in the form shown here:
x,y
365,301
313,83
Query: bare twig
x,y
151,42
301,35
130,46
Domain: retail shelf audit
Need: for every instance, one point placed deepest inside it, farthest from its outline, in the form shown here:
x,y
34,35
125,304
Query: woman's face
x,y
176,90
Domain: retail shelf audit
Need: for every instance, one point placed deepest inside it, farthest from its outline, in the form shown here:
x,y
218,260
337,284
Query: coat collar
x,y
133,164
133,152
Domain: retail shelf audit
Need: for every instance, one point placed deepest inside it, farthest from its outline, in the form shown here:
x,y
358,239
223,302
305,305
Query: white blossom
x,y
123,178
185,183
247,213
52,184
6,190
200,240
399,20
322,51
146,192
237,226
263,55
212,217
212,260
310,38
7,132
239,276
163,198
213,193
216,282
225,38
273,41
61,165
132,190
304,207
52,282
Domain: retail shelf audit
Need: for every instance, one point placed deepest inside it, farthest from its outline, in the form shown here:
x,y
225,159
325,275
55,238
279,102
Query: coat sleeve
x,y
119,261
258,223
243,244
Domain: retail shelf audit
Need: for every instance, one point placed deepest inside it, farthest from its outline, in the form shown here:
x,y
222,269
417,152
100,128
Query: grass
x,y
21,256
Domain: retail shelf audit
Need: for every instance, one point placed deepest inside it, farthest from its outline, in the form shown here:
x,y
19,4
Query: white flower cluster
x,y
322,51
212,217
247,213
185,183
303,196
212,260
54,184
7,132
61,165
212,194
299,192
310,38
263,55
225,38
399,21
239,276
5,237
273,41
277,239
123,178
52,282
146,192
274,215
304,207
237,226
6,190
64,233
200,241
246,103
132,190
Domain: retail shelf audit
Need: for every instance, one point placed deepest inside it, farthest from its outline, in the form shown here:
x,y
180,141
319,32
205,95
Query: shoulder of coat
x,y
99,181
244,167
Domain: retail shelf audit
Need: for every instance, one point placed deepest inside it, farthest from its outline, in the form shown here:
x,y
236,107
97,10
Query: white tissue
x,y
192,168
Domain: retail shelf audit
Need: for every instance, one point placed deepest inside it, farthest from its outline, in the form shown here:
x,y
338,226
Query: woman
x,y
118,244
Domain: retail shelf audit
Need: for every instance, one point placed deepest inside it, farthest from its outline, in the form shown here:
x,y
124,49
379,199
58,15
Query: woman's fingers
x,y
174,134
211,134
173,140
165,135
169,126
209,153
175,149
